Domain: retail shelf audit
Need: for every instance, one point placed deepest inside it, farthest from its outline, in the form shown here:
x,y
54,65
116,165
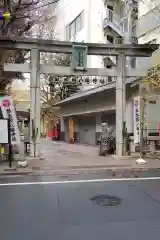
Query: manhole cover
x,y
106,200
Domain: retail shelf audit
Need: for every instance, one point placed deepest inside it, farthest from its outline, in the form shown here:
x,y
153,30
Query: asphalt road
x,y
39,210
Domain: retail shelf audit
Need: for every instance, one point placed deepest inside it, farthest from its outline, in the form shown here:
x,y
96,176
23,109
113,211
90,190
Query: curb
x,y
7,173
110,172
132,172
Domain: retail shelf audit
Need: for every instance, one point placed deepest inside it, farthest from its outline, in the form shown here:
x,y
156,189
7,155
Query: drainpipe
x,y
128,10
89,25
89,20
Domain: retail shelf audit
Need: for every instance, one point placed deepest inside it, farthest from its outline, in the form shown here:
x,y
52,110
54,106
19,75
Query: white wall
x,y
148,29
148,22
92,31
155,59
96,32
154,34
67,11
147,5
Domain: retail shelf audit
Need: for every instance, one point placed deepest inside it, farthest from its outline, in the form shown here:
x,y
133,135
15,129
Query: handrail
x,y
112,17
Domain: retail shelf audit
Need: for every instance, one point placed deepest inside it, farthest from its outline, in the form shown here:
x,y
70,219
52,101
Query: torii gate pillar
x,y
35,103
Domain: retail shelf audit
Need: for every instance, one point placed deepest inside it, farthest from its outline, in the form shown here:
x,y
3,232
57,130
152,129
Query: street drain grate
x,y
106,200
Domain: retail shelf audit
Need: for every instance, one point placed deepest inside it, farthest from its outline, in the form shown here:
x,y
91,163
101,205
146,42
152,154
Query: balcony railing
x,y
115,19
118,40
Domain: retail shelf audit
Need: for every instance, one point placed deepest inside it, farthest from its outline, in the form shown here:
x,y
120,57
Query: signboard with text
x,y
137,120
8,112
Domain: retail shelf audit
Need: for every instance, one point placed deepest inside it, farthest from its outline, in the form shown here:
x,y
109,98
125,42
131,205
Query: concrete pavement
x,y
80,211
61,158
64,155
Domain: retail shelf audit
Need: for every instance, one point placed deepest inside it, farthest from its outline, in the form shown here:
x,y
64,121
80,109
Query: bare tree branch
x,y
25,15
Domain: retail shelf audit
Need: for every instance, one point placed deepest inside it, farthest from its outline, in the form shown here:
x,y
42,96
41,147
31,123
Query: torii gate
x,y
35,46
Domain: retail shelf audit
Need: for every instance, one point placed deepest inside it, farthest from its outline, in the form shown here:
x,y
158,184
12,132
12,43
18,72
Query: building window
x,y
110,39
75,26
78,23
71,30
109,79
110,12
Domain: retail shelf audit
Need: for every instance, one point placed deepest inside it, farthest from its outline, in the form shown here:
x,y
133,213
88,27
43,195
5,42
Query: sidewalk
x,y
64,158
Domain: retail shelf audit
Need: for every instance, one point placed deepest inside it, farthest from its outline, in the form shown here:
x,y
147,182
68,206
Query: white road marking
x,y
79,181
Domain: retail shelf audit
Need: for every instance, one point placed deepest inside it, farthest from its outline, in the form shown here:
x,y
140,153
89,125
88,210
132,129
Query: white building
x,y
98,21
81,21
146,6
148,28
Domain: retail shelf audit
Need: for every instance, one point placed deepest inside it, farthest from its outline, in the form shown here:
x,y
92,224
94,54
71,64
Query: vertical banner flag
x,y
137,120
8,111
